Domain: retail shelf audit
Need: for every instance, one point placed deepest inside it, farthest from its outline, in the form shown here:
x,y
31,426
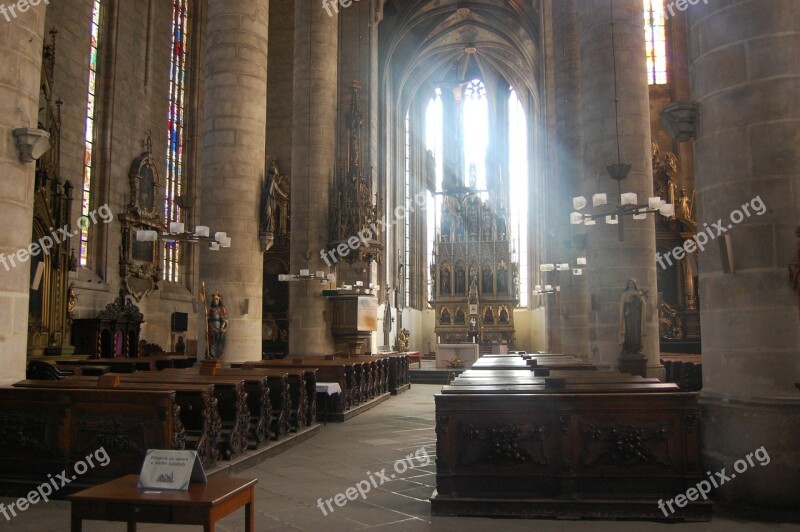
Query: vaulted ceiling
x,y
428,42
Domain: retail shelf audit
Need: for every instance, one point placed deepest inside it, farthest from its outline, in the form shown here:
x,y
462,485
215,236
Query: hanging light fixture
x,y
629,204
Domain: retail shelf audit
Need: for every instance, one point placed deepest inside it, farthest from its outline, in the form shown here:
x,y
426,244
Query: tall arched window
x,y
89,135
518,177
476,134
434,141
175,134
655,35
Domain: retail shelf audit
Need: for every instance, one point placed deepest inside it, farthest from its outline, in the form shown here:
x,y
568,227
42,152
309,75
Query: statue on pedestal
x,y
217,316
632,318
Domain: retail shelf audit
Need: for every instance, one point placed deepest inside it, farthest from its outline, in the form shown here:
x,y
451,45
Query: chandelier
x,y
177,233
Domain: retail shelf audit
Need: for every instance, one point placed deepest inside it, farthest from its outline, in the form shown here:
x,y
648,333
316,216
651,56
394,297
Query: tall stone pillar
x,y
234,130
611,262
745,77
573,310
21,43
313,169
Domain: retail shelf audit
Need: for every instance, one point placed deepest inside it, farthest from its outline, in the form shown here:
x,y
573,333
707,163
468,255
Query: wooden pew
x,y
46,430
589,449
327,371
232,403
302,384
399,376
377,380
198,409
263,397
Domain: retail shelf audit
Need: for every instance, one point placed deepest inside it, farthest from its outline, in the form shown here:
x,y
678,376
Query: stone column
x,y
573,311
234,130
745,77
21,43
611,262
313,168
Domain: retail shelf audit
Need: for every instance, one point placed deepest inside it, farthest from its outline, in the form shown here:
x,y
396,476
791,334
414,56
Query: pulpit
x,y
354,318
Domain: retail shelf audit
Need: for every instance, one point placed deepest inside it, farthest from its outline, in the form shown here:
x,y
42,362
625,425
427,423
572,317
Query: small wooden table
x,y
202,504
415,356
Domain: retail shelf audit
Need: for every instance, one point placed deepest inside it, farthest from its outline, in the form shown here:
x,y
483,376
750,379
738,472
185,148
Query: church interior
x,y
543,254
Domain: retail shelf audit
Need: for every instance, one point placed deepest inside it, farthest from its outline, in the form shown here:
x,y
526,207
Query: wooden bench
x,y
589,449
326,371
47,430
231,396
198,409
263,396
302,384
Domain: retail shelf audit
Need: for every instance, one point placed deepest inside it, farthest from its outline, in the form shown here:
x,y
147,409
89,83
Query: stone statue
x,y
403,339
683,210
632,318
180,345
217,316
272,197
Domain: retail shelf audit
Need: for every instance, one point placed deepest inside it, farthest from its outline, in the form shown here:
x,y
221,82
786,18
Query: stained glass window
x,y
175,134
656,41
89,136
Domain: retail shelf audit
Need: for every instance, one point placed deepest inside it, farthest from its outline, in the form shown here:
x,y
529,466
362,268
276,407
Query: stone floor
x,y
292,484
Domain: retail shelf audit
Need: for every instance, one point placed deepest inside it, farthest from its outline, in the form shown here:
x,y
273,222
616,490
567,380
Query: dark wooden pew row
x,y
302,384
378,378
338,371
46,430
479,386
399,376
198,409
129,365
588,449
232,403
262,397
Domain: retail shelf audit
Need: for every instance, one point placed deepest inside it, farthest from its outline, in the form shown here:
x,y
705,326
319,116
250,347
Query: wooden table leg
x,y
77,523
250,514
131,526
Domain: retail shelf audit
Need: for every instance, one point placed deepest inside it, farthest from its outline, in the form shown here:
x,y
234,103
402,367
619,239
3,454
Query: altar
x,y
468,353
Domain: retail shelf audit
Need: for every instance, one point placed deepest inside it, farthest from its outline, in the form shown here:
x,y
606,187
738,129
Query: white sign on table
x,y
171,470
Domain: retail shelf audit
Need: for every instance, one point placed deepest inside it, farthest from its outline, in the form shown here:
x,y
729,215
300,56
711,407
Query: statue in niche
x,y
683,211
632,318
502,277
461,280
444,286
488,316
461,318
217,317
503,315
487,223
487,280
501,224
444,317
473,213
271,198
